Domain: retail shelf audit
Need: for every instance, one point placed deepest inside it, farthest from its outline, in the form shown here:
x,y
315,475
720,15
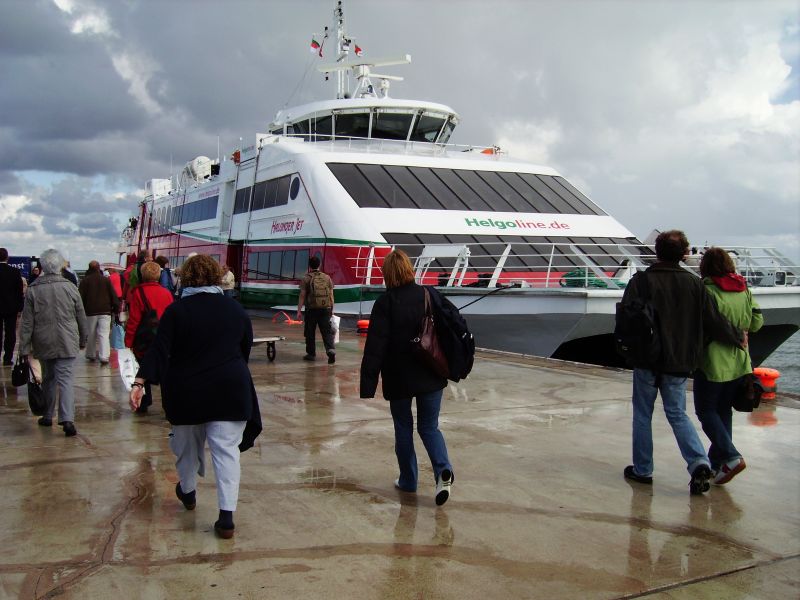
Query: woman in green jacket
x,y
724,366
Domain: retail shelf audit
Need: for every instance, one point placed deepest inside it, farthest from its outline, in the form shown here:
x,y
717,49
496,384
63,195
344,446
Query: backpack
x,y
454,336
166,280
636,333
319,290
146,331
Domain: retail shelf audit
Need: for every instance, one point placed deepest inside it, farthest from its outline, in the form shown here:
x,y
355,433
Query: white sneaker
x,y
729,470
443,487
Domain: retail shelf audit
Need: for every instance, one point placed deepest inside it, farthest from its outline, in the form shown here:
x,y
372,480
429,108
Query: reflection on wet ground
x,y
539,509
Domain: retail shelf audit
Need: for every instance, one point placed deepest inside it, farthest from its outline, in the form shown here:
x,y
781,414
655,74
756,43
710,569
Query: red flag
x,y
359,51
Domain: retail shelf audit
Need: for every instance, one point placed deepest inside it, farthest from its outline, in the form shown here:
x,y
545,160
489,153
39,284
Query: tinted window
x,y
392,194
274,265
322,127
259,191
283,190
391,125
272,193
300,263
365,195
352,125
427,128
242,202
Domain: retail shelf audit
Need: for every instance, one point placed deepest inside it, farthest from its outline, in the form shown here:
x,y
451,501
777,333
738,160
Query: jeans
x,y
712,404
321,317
57,376
646,385
98,343
428,427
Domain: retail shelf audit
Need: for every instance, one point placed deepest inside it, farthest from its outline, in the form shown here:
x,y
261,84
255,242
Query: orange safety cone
x,y
767,377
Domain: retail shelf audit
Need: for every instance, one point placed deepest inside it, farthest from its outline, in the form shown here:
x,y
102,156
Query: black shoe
x,y
69,429
700,480
45,422
331,357
633,476
189,500
309,357
224,526
142,410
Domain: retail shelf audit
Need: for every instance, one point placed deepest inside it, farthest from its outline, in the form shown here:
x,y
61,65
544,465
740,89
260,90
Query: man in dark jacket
x,y
100,302
10,306
686,315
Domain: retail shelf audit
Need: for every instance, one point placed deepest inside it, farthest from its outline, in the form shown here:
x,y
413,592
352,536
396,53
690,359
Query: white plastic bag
x,y
128,366
335,328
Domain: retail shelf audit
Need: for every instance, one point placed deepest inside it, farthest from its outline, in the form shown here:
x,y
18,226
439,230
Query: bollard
x,y
362,326
767,377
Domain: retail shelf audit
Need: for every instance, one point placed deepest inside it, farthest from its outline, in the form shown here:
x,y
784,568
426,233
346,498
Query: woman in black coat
x,y
199,356
395,320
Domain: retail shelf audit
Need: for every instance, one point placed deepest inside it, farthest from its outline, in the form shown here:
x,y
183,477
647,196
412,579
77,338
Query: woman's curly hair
x,y
200,270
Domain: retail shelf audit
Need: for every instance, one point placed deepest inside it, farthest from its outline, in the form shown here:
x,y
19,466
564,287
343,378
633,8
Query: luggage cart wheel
x,y
271,351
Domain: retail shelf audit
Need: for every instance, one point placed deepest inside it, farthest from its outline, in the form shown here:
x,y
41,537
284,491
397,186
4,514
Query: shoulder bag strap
x,y
144,299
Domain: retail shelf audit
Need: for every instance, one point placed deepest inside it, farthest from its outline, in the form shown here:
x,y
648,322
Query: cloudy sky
x,y
667,114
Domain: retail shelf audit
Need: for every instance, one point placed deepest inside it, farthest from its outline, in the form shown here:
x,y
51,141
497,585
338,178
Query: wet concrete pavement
x,y
539,508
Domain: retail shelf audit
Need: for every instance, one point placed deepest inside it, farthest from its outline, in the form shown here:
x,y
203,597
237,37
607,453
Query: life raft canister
x,y
767,377
362,326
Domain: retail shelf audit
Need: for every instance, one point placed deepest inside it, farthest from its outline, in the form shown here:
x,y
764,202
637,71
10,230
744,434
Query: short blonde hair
x,y
397,269
150,271
199,271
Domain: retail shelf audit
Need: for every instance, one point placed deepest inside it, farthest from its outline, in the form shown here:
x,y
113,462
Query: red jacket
x,y
159,298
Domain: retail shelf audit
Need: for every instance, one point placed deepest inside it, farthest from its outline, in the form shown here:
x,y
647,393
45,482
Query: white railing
x,y
558,265
385,144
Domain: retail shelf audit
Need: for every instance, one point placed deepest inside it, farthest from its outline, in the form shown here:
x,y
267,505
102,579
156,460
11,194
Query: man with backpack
x,y
674,315
167,277
316,293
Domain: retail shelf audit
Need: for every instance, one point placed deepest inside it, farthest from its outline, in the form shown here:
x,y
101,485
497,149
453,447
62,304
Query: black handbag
x,y
748,394
20,374
36,398
426,346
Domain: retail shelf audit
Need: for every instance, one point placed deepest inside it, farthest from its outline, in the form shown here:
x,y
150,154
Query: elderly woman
x,y
724,367
200,356
394,322
54,331
148,294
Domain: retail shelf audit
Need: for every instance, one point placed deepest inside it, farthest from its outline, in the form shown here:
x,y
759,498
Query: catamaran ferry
x,y
535,266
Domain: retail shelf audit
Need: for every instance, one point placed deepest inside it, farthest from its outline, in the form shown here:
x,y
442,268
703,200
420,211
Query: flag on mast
x,y
315,47
359,51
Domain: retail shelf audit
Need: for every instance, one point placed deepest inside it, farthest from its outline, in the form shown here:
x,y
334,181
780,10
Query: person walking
x,y
69,274
100,302
724,367
11,299
686,313
149,294
166,279
200,356
316,293
116,282
54,330
395,320
228,281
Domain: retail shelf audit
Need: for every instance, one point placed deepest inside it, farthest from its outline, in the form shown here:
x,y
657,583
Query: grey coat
x,y
53,321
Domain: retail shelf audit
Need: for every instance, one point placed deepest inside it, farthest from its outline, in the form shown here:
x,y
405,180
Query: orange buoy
x,y
767,378
362,326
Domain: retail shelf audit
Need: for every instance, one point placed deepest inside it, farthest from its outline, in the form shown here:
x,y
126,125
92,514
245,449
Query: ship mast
x,y
360,68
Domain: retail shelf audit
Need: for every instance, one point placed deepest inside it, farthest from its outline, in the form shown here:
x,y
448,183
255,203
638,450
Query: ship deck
x,y
539,508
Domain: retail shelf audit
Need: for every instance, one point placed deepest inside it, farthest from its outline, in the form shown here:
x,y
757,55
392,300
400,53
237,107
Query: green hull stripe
x,y
267,297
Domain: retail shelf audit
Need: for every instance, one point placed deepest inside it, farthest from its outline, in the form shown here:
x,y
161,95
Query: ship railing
x,y
558,265
386,144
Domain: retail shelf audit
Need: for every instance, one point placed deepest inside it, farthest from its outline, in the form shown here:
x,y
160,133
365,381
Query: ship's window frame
x,y
447,130
428,114
257,199
401,132
322,124
353,113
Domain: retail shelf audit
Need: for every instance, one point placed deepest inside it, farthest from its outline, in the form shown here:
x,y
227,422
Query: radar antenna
x,y
358,68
